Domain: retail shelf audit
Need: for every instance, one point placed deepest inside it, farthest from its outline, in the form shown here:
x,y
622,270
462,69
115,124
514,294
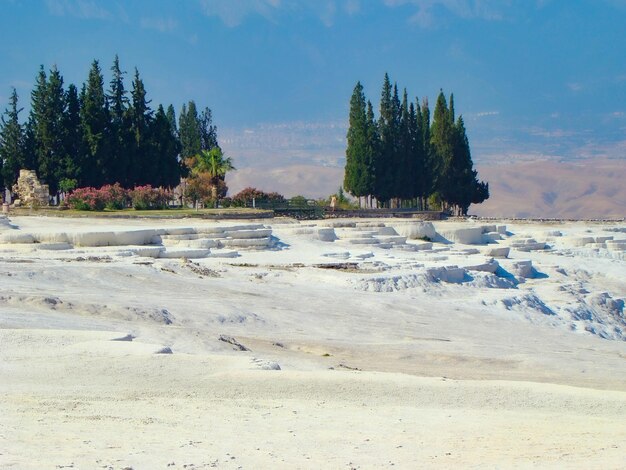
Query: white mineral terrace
x,y
144,343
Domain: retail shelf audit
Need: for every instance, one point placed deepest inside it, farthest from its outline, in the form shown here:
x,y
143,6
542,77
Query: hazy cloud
x,y
486,113
163,25
574,86
352,6
426,11
84,9
552,133
233,12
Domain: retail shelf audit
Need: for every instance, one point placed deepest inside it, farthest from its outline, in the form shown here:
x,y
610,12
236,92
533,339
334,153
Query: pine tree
x,y
94,117
355,180
11,142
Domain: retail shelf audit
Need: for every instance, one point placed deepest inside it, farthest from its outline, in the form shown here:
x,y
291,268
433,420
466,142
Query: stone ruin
x,y
29,191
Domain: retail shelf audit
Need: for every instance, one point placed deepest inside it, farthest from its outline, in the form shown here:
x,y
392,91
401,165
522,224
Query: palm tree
x,y
215,165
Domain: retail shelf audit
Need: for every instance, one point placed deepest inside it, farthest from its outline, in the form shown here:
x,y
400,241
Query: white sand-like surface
x,y
369,351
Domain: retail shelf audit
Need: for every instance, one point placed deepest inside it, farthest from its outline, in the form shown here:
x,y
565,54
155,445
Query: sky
x,y
534,79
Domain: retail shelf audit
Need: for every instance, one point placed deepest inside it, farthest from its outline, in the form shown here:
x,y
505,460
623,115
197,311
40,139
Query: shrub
x,y
86,199
298,201
245,196
67,184
115,197
146,197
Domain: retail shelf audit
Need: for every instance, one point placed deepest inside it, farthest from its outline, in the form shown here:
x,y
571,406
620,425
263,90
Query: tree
x,y
11,142
387,130
211,166
405,163
372,154
69,167
356,170
49,128
119,128
466,189
189,131
141,169
424,124
94,118
208,132
443,141
164,151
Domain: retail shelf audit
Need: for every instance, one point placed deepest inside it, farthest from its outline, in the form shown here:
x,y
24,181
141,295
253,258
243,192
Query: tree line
x,y
403,159
93,137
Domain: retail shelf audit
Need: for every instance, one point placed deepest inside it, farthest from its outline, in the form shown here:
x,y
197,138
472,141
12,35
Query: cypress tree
x,y
181,169
164,151
208,132
94,117
119,128
36,120
405,171
11,142
69,167
142,170
429,176
442,140
171,118
415,153
50,131
372,153
466,189
189,131
385,162
355,180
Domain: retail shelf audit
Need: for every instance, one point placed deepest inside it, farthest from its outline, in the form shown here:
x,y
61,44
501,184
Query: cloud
x,y
84,9
552,133
574,86
486,113
352,7
163,25
427,11
233,12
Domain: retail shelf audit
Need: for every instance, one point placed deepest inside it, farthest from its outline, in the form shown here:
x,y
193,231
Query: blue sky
x,y
532,78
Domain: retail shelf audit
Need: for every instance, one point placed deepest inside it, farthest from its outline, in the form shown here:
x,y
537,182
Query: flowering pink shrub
x,y
147,197
115,197
245,196
86,199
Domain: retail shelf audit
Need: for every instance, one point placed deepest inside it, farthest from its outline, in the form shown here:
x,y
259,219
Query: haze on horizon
x,y
541,81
